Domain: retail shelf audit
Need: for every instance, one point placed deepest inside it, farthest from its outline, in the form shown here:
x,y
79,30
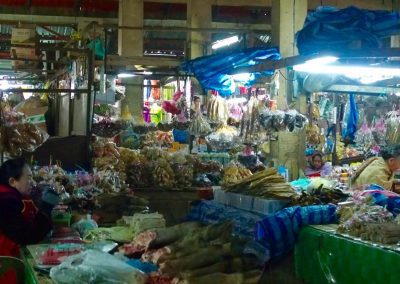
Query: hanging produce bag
x,y
393,128
350,119
21,137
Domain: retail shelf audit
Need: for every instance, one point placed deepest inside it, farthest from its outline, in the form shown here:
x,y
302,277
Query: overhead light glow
x,y
363,74
225,42
243,77
126,75
147,73
322,60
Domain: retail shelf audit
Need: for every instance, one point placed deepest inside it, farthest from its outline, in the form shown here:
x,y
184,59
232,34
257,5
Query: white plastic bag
x,y
97,267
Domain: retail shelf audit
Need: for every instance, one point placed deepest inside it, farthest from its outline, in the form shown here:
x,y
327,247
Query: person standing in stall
x,y
21,222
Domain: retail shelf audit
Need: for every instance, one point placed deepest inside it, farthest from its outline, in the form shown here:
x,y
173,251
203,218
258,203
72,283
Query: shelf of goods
x,y
321,256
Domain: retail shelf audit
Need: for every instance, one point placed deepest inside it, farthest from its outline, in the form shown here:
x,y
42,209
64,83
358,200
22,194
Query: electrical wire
x,y
289,80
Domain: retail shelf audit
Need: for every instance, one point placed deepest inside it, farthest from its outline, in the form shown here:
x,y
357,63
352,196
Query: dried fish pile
x,y
267,184
386,233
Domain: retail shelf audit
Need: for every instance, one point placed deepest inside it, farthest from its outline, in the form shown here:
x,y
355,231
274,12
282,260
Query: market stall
x,y
208,186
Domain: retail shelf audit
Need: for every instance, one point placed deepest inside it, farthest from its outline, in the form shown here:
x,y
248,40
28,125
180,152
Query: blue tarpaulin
x,y
212,71
350,119
329,28
278,232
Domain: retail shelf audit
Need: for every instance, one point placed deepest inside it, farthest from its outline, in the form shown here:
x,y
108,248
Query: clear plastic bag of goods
x,y
97,267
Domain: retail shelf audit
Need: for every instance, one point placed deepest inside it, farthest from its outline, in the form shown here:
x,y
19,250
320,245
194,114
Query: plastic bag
x,y
393,127
379,131
224,137
84,225
350,119
29,104
107,128
95,267
217,109
280,120
364,136
22,137
199,126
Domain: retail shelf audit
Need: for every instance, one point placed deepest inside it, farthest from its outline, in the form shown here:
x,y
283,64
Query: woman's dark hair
x,y
11,169
389,152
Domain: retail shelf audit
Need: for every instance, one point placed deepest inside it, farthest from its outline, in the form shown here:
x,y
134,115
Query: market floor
x,y
281,272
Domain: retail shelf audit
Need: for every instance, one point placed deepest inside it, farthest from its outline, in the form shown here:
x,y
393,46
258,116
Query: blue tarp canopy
x,y
213,71
329,28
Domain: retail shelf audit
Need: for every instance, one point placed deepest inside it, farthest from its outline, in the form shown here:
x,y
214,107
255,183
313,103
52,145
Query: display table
x,y
322,256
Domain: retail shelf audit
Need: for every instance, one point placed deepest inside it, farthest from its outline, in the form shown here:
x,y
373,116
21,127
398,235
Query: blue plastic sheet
x,y
145,267
350,119
329,28
385,198
279,232
211,212
213,71
244,224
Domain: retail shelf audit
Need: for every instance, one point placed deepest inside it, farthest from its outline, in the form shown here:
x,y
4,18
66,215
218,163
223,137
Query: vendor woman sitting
x,y
21,223
379,170
317,166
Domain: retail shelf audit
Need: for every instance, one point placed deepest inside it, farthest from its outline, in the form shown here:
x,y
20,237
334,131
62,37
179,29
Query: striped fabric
x,y
278,232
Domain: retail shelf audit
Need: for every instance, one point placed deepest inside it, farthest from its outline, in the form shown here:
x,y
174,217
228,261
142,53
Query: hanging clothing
x,y
146,115
374,171
156,114
168,93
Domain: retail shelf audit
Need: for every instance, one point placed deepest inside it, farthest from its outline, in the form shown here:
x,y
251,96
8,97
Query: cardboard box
x,y
36,116
24,53
23,36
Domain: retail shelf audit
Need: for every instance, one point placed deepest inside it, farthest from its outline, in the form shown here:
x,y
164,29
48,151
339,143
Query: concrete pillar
x,y
130,43
198,16
287,18
395,40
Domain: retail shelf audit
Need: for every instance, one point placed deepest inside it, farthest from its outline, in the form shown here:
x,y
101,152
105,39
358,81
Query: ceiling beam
x,y
244,3
151,25
364,4
118,64
52,20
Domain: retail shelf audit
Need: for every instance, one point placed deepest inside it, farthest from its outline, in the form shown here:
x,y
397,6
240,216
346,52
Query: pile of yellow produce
x,y
266,184
163,174
234,173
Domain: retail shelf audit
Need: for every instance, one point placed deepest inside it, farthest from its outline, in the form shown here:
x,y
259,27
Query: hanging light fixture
x,y
364,74
225,42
